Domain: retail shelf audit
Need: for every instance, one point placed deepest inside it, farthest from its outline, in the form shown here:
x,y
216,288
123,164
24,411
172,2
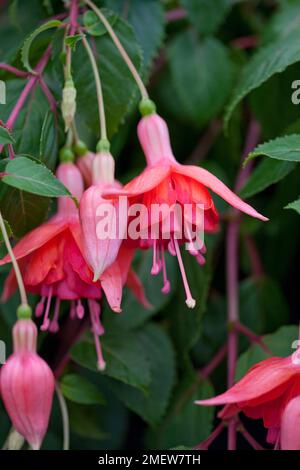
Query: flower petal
x,y
213,183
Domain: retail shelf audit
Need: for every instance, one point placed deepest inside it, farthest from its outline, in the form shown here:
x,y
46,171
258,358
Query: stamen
x,y
167,286
171,248
95,320
46,321
79,310
40,307
54,326
189,299
200,259
155,265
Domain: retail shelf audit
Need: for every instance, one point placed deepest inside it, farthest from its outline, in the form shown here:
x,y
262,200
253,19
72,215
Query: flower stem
x,y
71,31
120,48
27,89
14,70
65,418
14,262
102,119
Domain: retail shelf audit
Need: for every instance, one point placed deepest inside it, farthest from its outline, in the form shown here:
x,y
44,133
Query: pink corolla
x,y
103,224
27,385
53,265
268,391
168,184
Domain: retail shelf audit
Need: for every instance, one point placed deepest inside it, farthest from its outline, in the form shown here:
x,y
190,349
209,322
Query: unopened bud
x,y
68,105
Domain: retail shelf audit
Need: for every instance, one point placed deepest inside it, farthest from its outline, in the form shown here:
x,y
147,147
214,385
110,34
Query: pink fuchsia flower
x,y
102,238
27,385
165,181
52,264
85,163
264,392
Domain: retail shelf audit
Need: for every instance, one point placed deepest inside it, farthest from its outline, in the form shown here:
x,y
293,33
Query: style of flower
x,y
166,182
264,392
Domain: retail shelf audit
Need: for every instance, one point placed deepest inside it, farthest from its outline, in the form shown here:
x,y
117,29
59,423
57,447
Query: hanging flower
x,y
265,392
52,262
27,385
103,224
166,182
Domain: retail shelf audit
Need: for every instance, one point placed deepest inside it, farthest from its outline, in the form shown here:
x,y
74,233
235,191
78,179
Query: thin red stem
x,y
48,94
27,89
14,70
205,444
256,264
252,337
214,362
232,278
175,15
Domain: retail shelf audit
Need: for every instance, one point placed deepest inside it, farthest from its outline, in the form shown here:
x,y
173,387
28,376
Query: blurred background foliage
x,y
202,60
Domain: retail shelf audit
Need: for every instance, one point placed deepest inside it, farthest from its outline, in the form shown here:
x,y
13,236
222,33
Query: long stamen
x,y
73,310
46,321
189,299
40,307
155,265
54,326
79,310
95,321
171,248
167,286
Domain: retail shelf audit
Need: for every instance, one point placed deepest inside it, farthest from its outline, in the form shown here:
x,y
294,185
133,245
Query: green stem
x,y
102,119
65,418
14,262
120,48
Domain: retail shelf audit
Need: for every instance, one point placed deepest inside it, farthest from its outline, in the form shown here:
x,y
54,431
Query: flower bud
x,y
85,164
70,176
103,168
27,385
290,425
68,106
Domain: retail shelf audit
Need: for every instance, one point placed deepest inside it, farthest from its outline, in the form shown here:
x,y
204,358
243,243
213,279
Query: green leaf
x,y
280,343
148,21
80,390
269,60
285,148
33,177
205,63
8,230
23,211
125,358
5,137
72,41
27,44
186,423
49,141
119,88
93,24
206,15
266,173
151,405
136,314
294,205
85,422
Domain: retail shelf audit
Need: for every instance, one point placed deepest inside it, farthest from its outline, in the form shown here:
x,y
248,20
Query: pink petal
x,y
213,183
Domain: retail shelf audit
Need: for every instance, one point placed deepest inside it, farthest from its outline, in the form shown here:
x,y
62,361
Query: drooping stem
x,y
120,48
14,262
102,119
65,418
11,69
71,31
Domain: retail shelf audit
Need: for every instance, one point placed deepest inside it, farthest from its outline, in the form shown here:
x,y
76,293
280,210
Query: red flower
x,y
264,392
165,181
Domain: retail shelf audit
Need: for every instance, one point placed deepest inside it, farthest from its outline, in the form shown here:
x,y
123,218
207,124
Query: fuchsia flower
x,y
52,262
165,181
267,391
85,163
101,245
27,385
